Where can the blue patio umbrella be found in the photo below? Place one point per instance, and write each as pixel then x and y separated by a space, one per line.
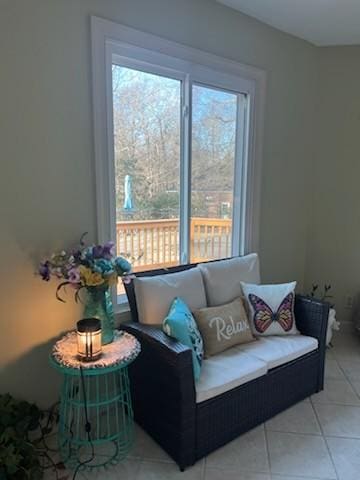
pixel 128 201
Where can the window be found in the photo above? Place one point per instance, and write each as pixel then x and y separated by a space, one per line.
pixel 177 164
pixel 147 133
pixel 215 128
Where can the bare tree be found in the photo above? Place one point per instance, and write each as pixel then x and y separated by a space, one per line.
pixel 147 142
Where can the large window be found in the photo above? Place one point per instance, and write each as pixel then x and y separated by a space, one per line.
pixel 175 149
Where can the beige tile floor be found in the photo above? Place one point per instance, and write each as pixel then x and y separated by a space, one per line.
pixel 318 438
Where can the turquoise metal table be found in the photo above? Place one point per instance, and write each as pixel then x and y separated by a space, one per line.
pixel 97 395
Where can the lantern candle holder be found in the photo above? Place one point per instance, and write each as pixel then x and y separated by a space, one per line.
pixel 89 339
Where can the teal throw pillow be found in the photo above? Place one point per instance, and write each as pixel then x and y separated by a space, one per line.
pixel 180 324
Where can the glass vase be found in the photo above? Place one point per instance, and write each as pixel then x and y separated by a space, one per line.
pixel 99 305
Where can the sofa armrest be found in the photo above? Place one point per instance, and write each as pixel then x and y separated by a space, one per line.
pixel 170 361
pixel 163 391
pixel 165 345
pixel 312 318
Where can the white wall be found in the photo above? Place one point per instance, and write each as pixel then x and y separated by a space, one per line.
pixel 333 254
pixel 47 162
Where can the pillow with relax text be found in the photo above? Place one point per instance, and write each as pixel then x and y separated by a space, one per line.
pixel 180 324
pixel 271 308
pixel 223 327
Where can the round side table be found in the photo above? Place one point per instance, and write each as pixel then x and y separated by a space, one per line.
pixel 96 394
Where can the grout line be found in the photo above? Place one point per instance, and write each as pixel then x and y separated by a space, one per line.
pixel 342 369
pixel 205 466
pixel 203 473
pixel 267 448
pixel 247 471
pixel 354 389
pixel 157 460
pixel 317 434
pixel 341 438
pixel 338 404
pixel 347 378
pixel 286 477
pixel 335 380
pixel 325 440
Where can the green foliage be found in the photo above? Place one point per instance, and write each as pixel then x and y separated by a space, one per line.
pixel 163 204
pixel 19 458
pixel 325 295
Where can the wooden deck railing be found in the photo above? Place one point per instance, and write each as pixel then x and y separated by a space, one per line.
pixel 155 243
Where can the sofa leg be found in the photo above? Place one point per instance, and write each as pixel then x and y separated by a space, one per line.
pixel 182 468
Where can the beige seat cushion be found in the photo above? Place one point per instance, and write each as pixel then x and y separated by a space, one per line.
pixel 222 279
pixel 154 295
pixel 277 350
pixel 223 327
pixel 226 371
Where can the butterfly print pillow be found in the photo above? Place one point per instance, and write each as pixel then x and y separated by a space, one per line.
pixel 271 308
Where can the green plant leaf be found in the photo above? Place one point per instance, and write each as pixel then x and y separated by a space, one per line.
pixel 19 459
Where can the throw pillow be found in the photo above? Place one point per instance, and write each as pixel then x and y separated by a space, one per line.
pixel 223 327
pixel 271 308
pixel 180 324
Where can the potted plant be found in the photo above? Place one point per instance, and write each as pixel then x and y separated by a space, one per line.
pixel 333 324
pixel 19 457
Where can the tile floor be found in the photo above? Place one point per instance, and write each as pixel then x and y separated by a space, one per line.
pixel 318 438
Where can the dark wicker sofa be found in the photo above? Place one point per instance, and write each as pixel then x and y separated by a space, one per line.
pixel 163 389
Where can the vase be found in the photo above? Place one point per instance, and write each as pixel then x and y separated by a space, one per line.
pixel 99 305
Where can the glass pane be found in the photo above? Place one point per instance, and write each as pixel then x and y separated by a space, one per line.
pixel 147 167
pixel 213 162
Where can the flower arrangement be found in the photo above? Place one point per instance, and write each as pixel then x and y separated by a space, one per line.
pixel 92 267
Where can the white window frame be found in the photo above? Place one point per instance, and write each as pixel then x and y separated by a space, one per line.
pixel 115 43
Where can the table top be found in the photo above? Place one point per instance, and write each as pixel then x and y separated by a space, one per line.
pixel 116 355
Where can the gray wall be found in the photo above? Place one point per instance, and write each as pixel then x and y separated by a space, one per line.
pixel 47 162
pixel 333 254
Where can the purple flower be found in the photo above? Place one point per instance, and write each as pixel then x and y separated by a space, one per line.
pixel 44 270
pixel 77 255
pixel 97 251
pixel 109 250
pixel 127 278
pixel 74 275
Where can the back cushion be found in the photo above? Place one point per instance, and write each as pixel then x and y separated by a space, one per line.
pixel 154 295
pixel 222 279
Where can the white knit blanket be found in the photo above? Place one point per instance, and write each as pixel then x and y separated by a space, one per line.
pixel 123 349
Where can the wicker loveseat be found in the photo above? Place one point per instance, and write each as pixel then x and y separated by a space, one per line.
pixel 166 403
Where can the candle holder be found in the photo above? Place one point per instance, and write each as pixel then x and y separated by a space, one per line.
pixel 89 339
